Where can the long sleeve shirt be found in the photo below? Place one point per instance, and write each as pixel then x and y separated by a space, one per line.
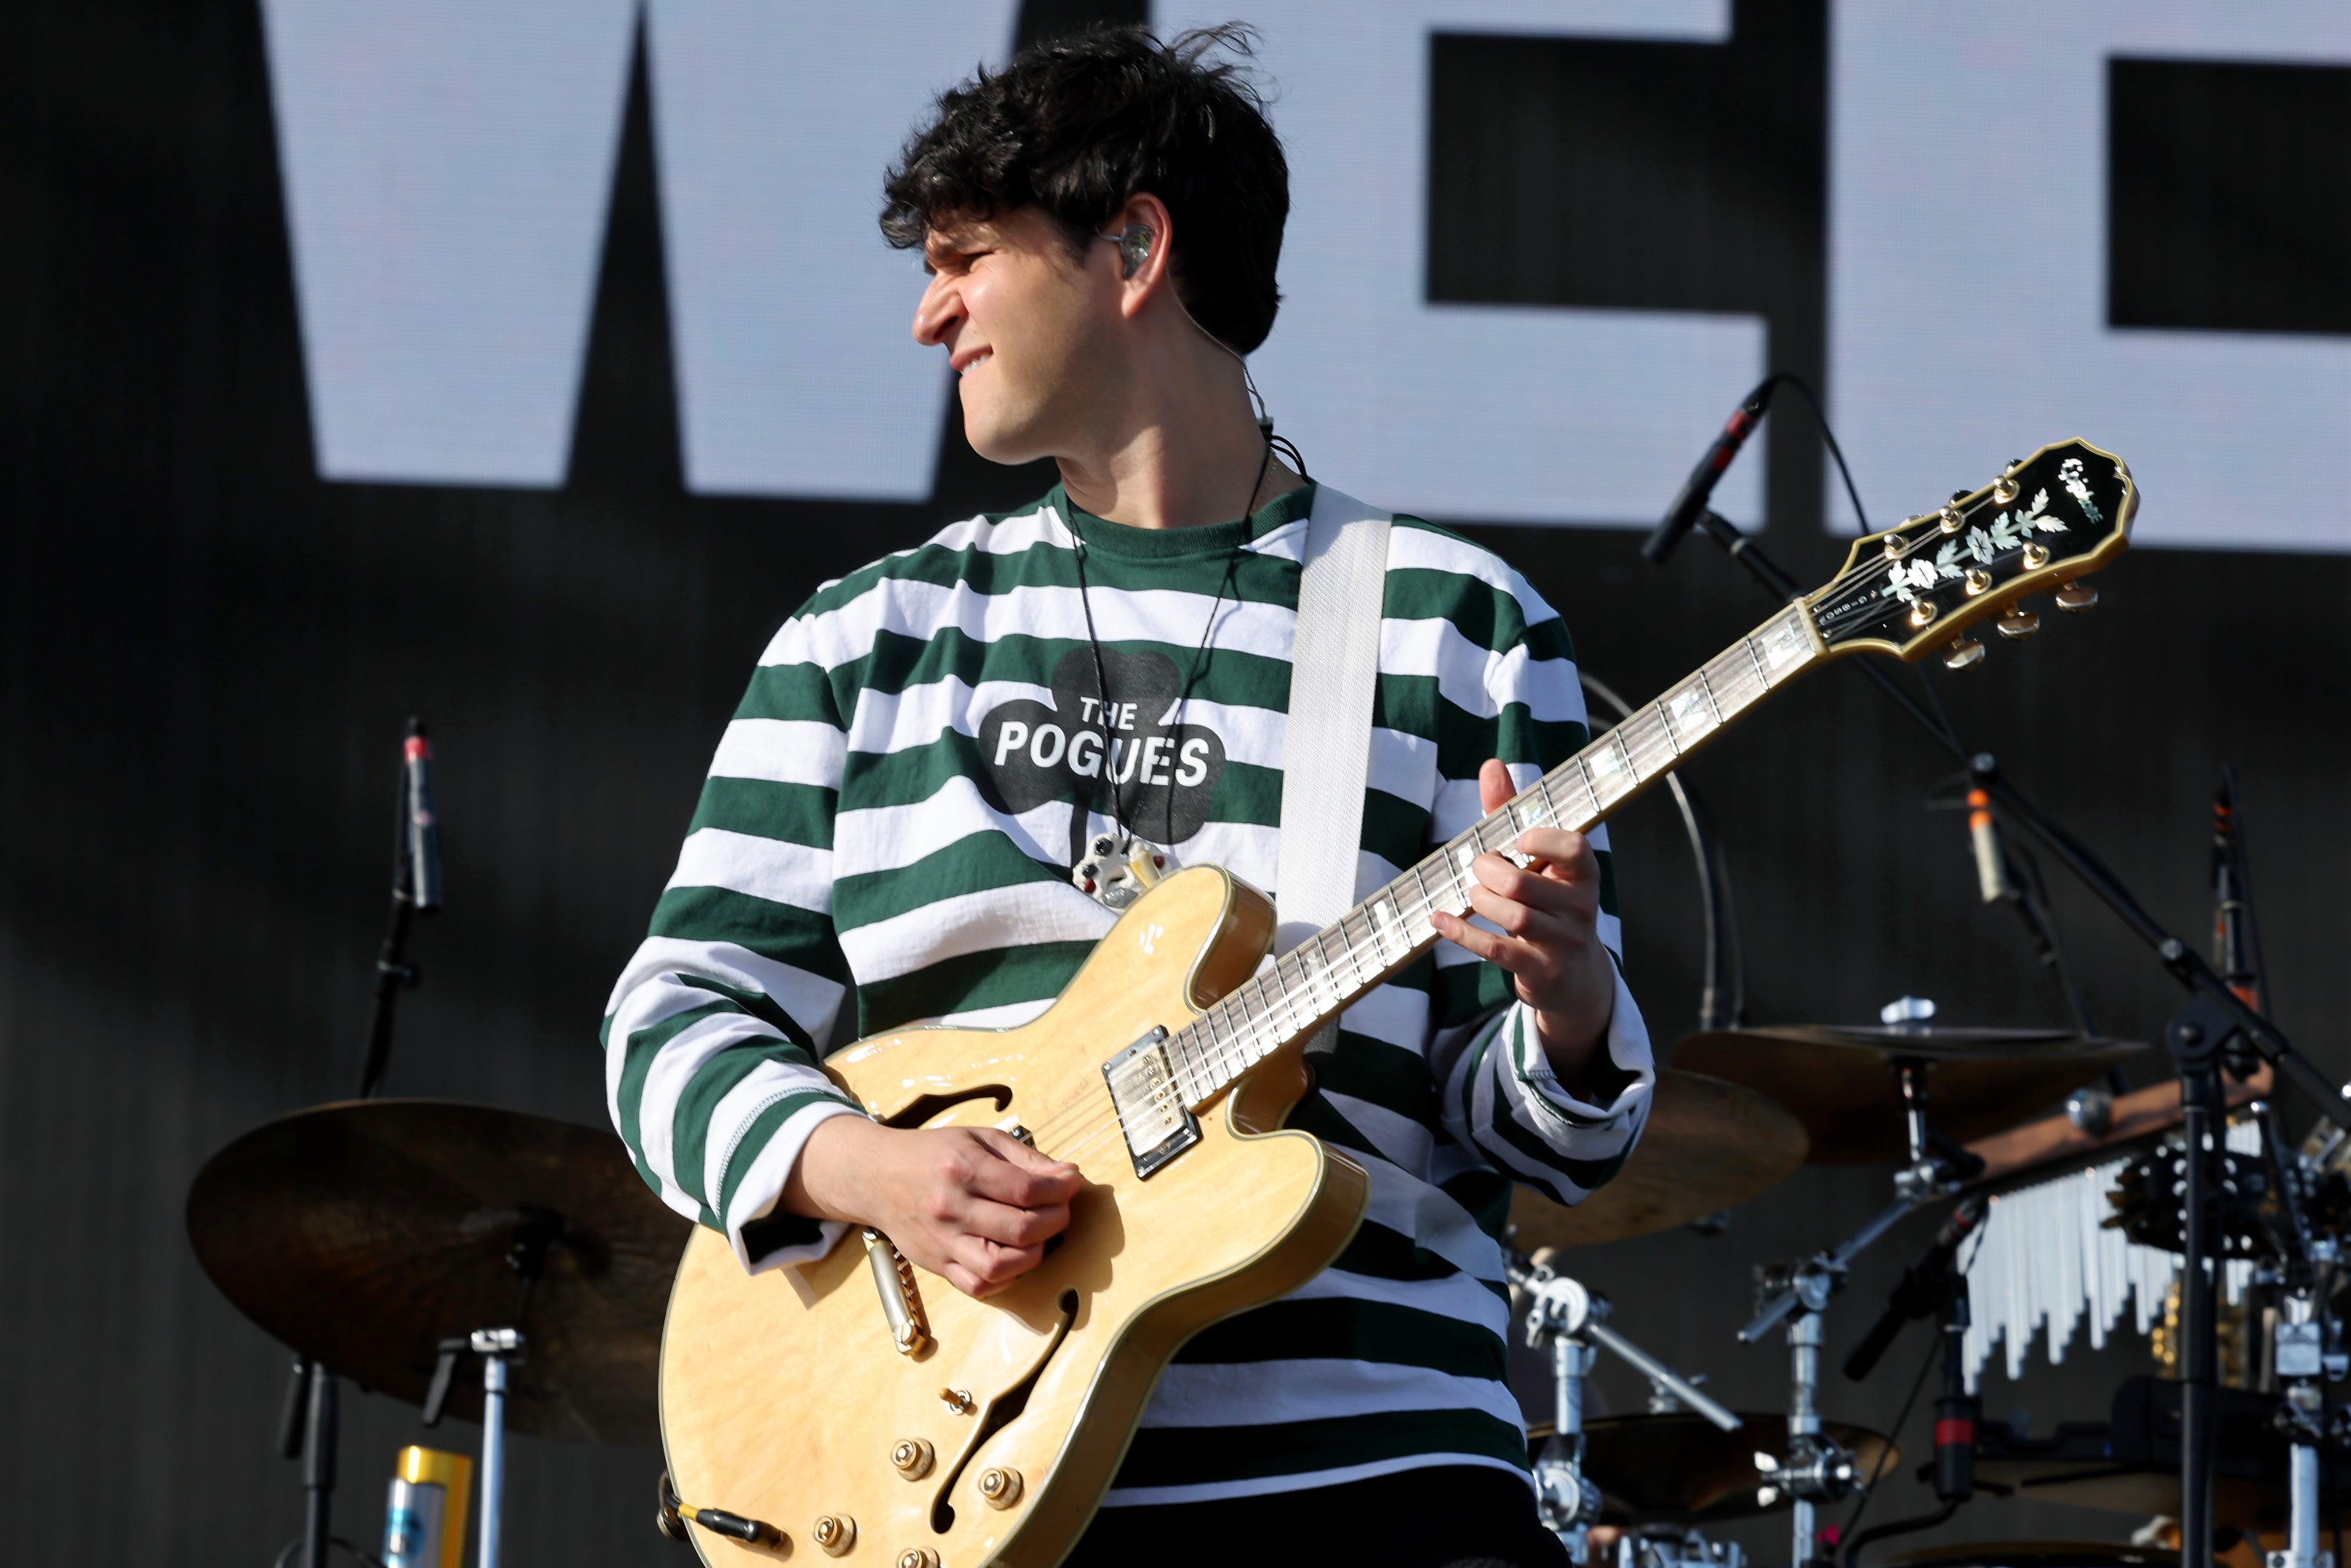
pixel 889 825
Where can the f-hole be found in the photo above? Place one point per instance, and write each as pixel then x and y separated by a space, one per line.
pixel 918 1112
pixel 1006 1410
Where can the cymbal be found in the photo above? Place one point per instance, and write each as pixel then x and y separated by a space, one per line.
pixel 2036 1555
pixel 1680 1467
pixel 2238 1503
pixel 1842 1084
pixel 362 1234
pixel 1708 1145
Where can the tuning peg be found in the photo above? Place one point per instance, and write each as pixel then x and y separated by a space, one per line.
pixel 2004 488
pixel 1965 654
pixel 2076 597
pixel 2016 624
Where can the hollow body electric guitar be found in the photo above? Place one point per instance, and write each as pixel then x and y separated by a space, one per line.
pixel 860 1407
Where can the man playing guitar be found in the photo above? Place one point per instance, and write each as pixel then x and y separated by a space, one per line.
pixel 943 758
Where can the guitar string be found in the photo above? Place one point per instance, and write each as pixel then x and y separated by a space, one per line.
pixel 1642 741
pixel 1647 745
pixel 1247 1036
pixel 1287 994
pixel 1652 743
pixel 1096 1132
pixel 1638 741
pixel 1644 749
pixel 1648 749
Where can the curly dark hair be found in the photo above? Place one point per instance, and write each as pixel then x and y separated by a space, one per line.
pixel 1078 125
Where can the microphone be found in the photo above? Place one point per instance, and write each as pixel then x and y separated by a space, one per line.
pixel 419 823
pixel 1992 872
pixel 1915 1297
pixel 1691 504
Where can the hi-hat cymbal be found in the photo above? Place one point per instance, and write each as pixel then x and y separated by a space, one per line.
pixel 362 1235
pixel 1680 1467
pixel 1708 1145
pixel 1842 1084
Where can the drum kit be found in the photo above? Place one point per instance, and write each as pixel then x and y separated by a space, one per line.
pixel 400 1242
pixel 2057 1219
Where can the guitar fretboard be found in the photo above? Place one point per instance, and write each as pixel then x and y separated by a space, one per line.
pixel 1323 975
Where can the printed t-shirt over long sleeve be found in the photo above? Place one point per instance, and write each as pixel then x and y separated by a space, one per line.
pixel 921 754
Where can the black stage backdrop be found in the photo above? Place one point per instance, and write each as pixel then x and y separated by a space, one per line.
pixel 207 654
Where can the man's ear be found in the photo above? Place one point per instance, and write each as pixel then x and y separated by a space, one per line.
pixel 1146 240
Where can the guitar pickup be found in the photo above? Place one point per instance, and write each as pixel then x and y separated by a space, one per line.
pixel 902 1306
pixel 1150 1105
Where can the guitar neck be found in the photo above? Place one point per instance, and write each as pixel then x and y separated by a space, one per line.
pixel 1323 976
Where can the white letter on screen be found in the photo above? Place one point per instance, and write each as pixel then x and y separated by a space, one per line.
pixel 797 371
pixel 447 165
pixel 1521 413
pixel 1967 274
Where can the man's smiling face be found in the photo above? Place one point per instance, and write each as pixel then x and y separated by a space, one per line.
pixel 1026 325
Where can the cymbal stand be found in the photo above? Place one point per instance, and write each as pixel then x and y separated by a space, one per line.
pixel 535 1230
pixel 2300 1352
pixel 2303 1350
pixel 1818 1469
pixel 498 1348
pixel 1574 1322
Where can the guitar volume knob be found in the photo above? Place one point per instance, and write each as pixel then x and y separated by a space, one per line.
pixel 834 1533
pixel 918 1557
pixel 999 1488
pixel 912 1457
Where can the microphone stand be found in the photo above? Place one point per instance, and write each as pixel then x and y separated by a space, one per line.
pixel 309 1420
pixel 2213 1020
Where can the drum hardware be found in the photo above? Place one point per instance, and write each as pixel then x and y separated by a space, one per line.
pixel 498 1348
pixel 1679 1469
pixel 2091 1108
pixel 1817 1468
pixel 1667 1546
pixel 1938 1167
pixel 1572 1321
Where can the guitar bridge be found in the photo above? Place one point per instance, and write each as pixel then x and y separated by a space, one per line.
pixel 1150 1103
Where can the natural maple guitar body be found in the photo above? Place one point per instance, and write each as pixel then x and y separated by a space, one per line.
pixel 783 1397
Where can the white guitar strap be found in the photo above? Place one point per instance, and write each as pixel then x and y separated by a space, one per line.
pixel 1327 754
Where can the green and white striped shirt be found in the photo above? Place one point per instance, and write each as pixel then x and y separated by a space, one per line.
pixel 894 812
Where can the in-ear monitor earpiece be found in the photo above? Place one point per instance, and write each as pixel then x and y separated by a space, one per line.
pixel 1134 248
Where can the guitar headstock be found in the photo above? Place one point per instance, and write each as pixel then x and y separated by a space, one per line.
pixel 2048 520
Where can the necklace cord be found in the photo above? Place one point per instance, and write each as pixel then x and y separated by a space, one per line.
pixel 1191 676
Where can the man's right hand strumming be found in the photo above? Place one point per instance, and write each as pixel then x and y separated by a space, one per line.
pixel 970 1204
